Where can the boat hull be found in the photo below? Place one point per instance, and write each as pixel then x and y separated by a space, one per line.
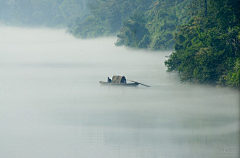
pixel 118 84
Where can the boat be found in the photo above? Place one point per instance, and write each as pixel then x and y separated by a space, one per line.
pixel 119 81
pixel 118 84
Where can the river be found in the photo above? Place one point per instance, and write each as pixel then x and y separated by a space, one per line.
pixel 52 105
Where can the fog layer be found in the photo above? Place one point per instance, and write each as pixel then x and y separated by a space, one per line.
pixel 52 105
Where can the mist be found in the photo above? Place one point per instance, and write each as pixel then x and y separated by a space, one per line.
pixel 52 105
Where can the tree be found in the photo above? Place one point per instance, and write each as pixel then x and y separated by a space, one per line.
pixel 207 48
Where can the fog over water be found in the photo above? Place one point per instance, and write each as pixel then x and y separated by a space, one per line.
pixel 52 105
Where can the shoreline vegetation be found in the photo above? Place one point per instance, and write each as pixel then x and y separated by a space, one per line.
pixel 205 34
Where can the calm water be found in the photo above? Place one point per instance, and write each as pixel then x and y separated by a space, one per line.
pixel 52 105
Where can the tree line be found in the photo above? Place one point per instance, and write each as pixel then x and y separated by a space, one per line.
pixel 207 47
pixel 145 24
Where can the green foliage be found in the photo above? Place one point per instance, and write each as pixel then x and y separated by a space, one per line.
pixel 86 29
pixel 165 17
pixel 207 48
pixel 109 15
pixel 134 32
pixel 233 77
pixel 160 22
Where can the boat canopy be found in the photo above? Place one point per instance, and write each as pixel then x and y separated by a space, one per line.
pixel 118 79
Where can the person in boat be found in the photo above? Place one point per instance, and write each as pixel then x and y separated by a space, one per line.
pixel 123 80
pixel 109 80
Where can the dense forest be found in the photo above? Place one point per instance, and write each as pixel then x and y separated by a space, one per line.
pixel 140 24
pixel 207 47
pixel 204 34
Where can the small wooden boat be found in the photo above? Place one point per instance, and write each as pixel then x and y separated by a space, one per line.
pixel 118 84
pixel 119 81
